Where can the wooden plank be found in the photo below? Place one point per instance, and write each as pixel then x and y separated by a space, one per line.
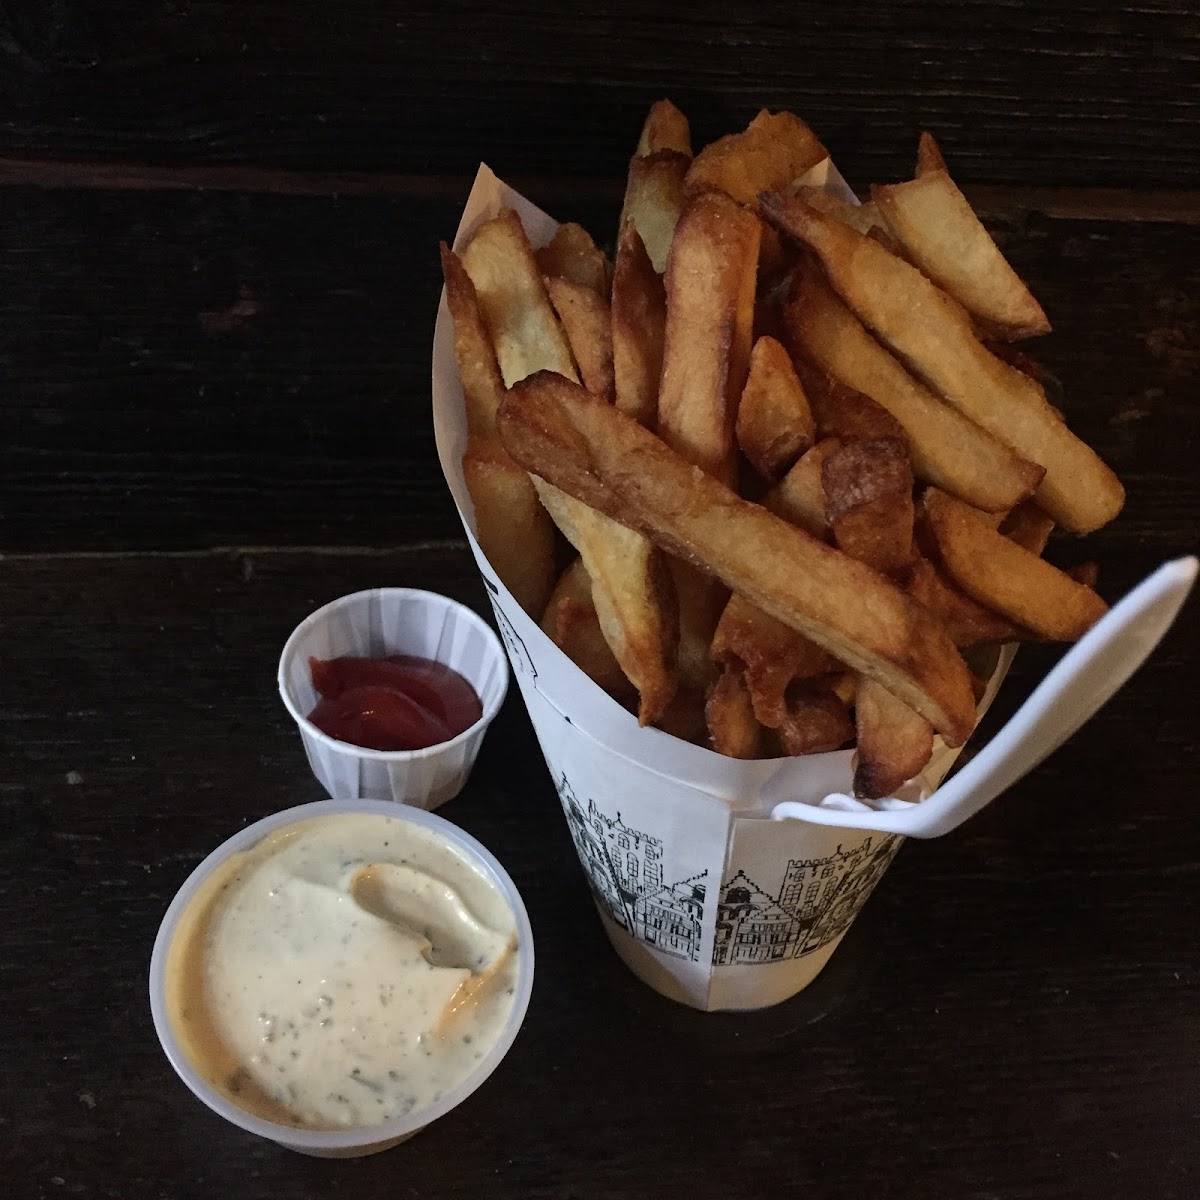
pixel 186 369
pixel 1006 1014
pixel 1083 93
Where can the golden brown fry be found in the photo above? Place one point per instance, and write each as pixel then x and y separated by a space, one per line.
pixel 607 460
pixel 929 156
pixel 774 422
pixel 844 412
pixel 916 319
pixel 573 255
pixel 771 152
pixel 868 502
pixel 1028 526
pixel 1008 578
pixel 817 721
pixel 585 319
pixel 516 308
pixel 1086 573
pixel 513 530
pixel 947 448
pixel 639 314
pixel 684 717
pixel 894 743
pixel 732 727
pixel 572 624
pixel 967 623
pixel 938 232
pixel 654 200
pixel 799 497
pixel 666 128
pixel 700 601
pixel 483 389
pixel 863 217
pixel 772 654
pixel 632 592
pixel 710 317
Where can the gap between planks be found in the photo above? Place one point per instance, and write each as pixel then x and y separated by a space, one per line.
pixel 1093 204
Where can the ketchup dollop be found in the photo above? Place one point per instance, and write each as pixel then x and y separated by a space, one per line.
pixel 399 702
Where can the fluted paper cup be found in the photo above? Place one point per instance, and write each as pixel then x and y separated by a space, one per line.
pixel 707 899
pixel 372 624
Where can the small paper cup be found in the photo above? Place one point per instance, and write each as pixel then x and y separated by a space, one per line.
pixel 362 1140
pixel 394 621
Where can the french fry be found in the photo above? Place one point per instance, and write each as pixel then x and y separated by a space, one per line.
pixel 607 460
pixel 844 412
pixel 1006 577
pixel 572 255
pixel 587 323
pixel 572 624
pixel 732 727
pixel 915 318
pixel 799 497
pixel 771 152
pixel 967 622
pixel 512 528
pixel 483 389
pixel 894 743
pixel 1086 573
pixel 774 423
pixel 1028 526
pixel 710 284
pixel 817 721
pixel 666 128
pixel 868 502
pixel 947 449
pixel 639 314
pixel 929 156
pixel 863 217
pixel 684 716
pixel 700 600
pixel 938 232
pixel 630 587
pixel 655 199
pixel 771 654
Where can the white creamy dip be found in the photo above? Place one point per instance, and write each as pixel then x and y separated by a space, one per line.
pixel 344 971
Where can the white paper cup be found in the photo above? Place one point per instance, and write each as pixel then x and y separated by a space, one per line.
pixel 394 621
pixel 339 1143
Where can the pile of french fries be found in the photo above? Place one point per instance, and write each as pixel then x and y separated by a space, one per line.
pixel 798 466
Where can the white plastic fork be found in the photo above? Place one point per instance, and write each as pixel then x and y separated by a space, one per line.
pixel 1085 679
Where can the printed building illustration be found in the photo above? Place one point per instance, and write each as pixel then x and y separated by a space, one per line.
pixel 817 900
pixel 624 867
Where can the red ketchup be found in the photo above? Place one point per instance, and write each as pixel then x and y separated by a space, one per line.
pixel 399 702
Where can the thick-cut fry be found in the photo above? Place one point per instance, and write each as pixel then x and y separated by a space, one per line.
pixel 700 601
pixel 630 587
pixel 607 460
pixel 774 422
pixel 512 528
pixel 632 592
pixel 654 200
pixel 894 743
pixel 1028 526
pixel 585 319
pixel 710 317
pixel 772 654
pixel 771 152
pixel 1086 573
pixel 799 497
pixel 483 389
pixel 947 449
pixel 516 307
pixel 938 231
pixel 967 623
pixel 863 217
pixel 639 314
pixel 817 721
pixel 571 254
pixel 666 128
pixel 915 318
pixel 684 716
pixel 929 156
pixel 844 412
pixel 572 624
pixel 868 502
pixel 732 726
pixel 1008 578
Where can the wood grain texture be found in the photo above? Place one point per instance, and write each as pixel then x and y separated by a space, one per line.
pixel 1083 93
pixel 1010 1017
pixel 200 369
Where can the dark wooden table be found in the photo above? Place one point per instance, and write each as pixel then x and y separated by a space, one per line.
pixel 217 288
